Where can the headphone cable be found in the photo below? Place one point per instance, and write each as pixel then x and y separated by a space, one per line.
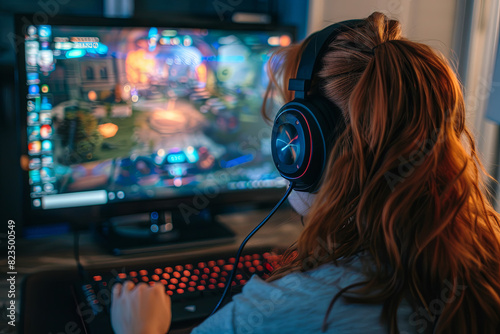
pixel 76 253
pixel 243 243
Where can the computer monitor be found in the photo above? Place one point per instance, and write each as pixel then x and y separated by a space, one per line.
pixel 122 117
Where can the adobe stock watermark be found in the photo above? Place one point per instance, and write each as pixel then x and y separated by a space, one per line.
pixel 225 6
pixel 265 308
pixel 393 8
pixel 417 157
pixel 86 311
pixel 481 93
pixel 219 180
pixel 49 9
pixel 421 317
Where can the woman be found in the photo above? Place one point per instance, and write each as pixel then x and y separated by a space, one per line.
pixel 400 237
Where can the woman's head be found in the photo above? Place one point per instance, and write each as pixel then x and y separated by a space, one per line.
pixel 403 182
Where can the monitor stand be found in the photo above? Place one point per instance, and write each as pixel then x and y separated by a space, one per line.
pixel 161 230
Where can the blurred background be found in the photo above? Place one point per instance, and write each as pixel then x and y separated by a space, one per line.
pixel 465 31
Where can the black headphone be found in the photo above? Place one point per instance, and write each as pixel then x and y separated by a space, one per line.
pixel 305 129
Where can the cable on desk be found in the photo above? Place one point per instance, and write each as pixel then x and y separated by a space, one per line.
pixel 76 252
pixel 240 250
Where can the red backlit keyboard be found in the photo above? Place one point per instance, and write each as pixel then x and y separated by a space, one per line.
pixel 194 286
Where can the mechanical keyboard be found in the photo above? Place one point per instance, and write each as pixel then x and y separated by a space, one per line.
pixel 195 285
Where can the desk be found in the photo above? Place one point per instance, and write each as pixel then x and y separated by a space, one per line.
pixel 56 253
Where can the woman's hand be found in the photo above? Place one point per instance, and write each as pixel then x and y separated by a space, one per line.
pixel 140 309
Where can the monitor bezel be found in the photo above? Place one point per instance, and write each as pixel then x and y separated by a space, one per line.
pixel 83 216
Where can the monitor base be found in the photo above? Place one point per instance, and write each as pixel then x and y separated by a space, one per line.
pixel 137 234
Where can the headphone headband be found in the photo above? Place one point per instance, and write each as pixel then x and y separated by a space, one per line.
pixel 309 61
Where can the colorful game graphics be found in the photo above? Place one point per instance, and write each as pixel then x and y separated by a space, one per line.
pixel 34 163
pixel 33 118
pixel 47 160
pixel 35 176
pixel 46 101
pixel 46 146
pixel 32 78
pixel 44 32
pixel 145 112
pixel 34 147
pixel 32 31
pixel 45 118
pixel 33 133
pixel 34 90
pixel 45 131
pixel 33 104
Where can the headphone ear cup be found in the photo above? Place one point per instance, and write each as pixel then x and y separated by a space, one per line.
pixel 303 135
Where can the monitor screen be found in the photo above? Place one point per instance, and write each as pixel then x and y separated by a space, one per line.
pixel 120 114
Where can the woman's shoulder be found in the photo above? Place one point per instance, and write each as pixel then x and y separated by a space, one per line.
pixel 299 301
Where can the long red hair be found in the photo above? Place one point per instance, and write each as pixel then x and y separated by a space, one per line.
pixel 403 183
